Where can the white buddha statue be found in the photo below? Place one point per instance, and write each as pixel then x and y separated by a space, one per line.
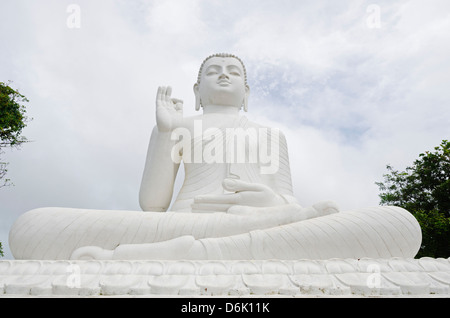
pixel 236 201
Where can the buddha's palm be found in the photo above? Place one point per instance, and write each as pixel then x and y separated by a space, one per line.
pixel 169 111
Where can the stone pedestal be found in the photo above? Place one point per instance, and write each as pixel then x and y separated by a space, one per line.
pixel 396 277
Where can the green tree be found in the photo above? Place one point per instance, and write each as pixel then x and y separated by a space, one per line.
pixel 13 120
pixel 424 190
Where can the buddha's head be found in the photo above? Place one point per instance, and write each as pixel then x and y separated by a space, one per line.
pixel 222 81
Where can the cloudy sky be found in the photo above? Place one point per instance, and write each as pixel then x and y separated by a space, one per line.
pixel 353 84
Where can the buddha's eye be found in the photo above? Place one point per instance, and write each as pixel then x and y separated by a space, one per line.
pixel 235 73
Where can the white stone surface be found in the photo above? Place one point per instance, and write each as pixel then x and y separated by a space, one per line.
pixel 236 201
pixel 395 277
pixel 380 232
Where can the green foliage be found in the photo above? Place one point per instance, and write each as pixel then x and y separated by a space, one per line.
pixel 12 121
pixel 12 116
pixel 424 190
pixel 435 234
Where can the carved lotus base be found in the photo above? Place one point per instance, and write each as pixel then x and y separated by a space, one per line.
pixel 397 277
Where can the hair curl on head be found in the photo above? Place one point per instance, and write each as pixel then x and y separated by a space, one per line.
pixel 221 55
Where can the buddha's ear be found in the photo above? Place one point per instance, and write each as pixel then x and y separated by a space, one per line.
pixel 197 97
pixel 247 94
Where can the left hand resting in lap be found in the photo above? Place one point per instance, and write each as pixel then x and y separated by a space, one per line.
pixel 243 194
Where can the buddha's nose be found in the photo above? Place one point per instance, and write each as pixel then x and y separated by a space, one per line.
pixel 223 75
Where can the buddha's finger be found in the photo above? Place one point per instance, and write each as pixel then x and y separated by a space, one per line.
pixel 231 198
pixel 210 207
pixel 178 103
pixel 168 93
pixel 161 94
pixel 243 210
pixel 239 185
pixel 158 94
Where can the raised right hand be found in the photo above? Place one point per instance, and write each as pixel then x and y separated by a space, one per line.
pixel 169 111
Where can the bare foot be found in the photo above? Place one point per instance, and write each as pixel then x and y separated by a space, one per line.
pixel 326 208
pixel 91 252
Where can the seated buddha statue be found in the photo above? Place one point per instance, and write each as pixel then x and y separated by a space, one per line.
pixel 236 201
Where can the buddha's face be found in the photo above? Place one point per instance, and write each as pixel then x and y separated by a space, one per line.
pixel 222 82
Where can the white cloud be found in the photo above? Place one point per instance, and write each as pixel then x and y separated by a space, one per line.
pixel 176 18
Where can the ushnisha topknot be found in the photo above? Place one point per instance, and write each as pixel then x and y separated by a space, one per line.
pixel 221 55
